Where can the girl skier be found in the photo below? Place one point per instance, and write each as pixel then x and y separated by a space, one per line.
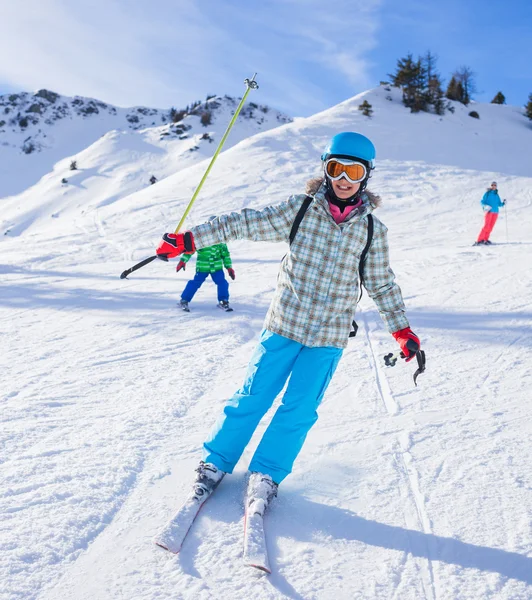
pixel 311 314
pixel 211 261
pixel 491 203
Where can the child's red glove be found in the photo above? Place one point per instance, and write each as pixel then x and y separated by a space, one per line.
pixel 231 273
pixel 174 244
pixel 408 341
pixel 180 265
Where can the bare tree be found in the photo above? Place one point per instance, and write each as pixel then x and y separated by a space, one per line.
pixel 466 77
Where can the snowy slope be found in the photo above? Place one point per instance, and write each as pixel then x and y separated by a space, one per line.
pixel 400 492
pixel 41 133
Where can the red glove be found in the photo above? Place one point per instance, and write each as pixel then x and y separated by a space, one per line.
pixel 408 341
pixel 231 273
pixel 180 265
pixel 174 244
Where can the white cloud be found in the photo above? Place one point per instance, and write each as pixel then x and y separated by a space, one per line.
pixel 308 54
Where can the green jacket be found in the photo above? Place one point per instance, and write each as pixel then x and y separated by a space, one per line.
pixel 210 259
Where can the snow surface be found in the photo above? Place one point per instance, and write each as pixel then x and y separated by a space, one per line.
pixel 108 389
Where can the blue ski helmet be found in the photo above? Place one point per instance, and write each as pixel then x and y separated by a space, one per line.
pixel 351 145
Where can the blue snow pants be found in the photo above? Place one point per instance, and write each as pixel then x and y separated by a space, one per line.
pixel 194 285
pixel 275 359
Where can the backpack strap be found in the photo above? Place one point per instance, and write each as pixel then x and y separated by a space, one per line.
pixel 299 217
pixel 364 254
pixel 361 264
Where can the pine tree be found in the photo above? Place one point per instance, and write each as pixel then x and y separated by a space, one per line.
pixel 528 107
pixel 455 90
pixel 433 92
pixel 451 92
pixel 177 115
pixel 460 91
pixel 436 94
pixel 366 108
pixel 206 118
pixel 499 98
pixel 429 62
pixel 410 76
pixel 402 72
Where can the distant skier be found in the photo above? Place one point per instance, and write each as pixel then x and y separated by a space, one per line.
pixel 210 261
pixel 153 179
pixel 311 314
pixel 491 203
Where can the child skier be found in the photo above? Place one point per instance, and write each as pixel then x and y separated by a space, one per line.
pixel 311 314
pixel 491 203
pixel 211 261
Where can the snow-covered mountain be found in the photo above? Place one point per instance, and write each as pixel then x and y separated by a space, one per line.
pixel 38 130
pixel 122 162
pixel 108 391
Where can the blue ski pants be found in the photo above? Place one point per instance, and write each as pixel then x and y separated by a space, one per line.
pixel 274 360
pixel 194 285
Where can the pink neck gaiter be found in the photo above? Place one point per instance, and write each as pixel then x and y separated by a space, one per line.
pixel 338 216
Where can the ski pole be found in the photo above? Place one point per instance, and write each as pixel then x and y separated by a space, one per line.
pixel 391 359
pixel 251 84
pixel 506 219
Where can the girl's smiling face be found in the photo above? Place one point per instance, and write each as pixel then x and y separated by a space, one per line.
pixel 344 189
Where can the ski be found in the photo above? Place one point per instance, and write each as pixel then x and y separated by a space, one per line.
pixel 172 536
pixel 261 490
pixel 255 551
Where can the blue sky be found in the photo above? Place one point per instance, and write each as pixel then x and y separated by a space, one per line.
pixel 309 54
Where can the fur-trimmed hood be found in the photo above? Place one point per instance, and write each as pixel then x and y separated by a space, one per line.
pixel 313 185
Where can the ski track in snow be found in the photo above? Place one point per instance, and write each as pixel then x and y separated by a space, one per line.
pixel 405 465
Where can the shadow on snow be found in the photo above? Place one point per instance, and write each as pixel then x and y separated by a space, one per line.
pixel 341 524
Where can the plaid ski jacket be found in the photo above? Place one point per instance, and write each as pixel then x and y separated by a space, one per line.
pixel 317 287
pixel 210 259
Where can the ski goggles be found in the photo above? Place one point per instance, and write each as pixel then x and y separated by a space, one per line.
pixel 352 170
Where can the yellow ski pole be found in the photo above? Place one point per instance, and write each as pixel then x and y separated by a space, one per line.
pixel 251 84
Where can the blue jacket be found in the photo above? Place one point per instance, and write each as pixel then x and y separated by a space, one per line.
pixel 491 198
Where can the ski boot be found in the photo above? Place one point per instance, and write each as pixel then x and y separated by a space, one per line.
pixel 261 491
pixel 224 305
pixel 207 479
